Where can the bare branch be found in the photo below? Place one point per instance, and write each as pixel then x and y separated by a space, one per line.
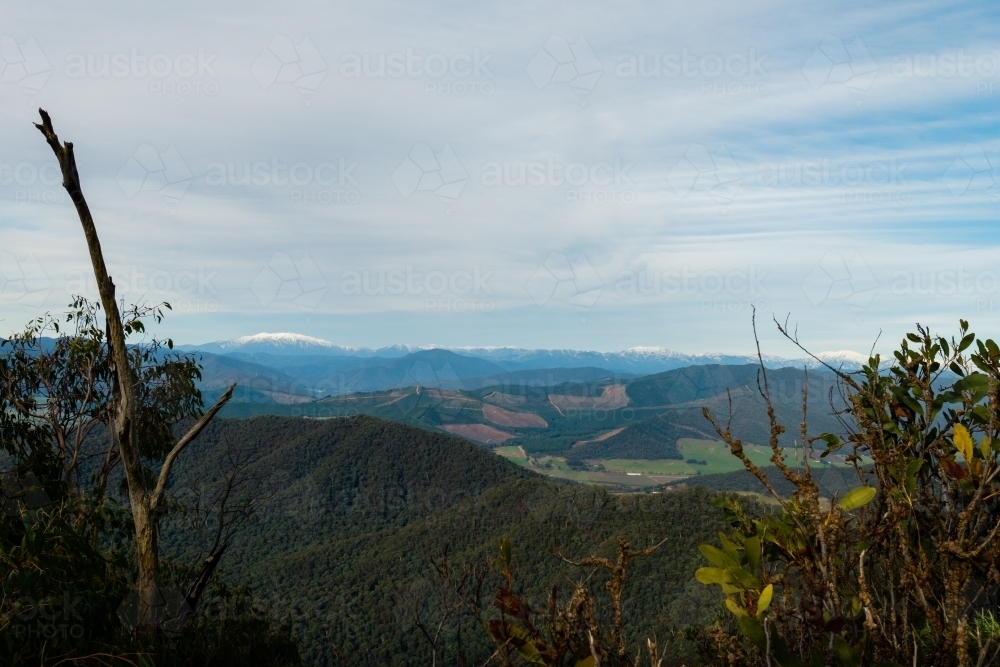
pixel 194 432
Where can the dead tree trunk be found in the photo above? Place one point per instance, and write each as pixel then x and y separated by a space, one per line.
pixel 145 503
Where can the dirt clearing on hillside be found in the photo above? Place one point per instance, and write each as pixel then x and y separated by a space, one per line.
pixel 502 417
pixel 509 400
pixel 479 433
pixel 612 397
pixel 602 437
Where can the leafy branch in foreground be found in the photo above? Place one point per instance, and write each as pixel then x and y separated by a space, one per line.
pixel 904 566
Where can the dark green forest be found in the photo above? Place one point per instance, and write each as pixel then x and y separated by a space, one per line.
pixel 359 507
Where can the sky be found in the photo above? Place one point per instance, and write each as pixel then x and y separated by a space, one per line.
pixel 585 175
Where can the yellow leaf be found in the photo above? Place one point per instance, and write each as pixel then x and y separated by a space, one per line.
pixel 984 446
pixel 857 497
pixel 735 608
pixel 765 599
pixel 963 442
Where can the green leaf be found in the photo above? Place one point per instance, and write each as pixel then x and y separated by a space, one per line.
pixel 729 548
pixel 857 497
pixel 855 606
pixel 833 443
pixel 848 656
pixel 713 575
pixel 717 556
pixel 976 383
pixel 753 631
pixel 765 599
pixel 530 653
pixel 751 546
pixel 505 549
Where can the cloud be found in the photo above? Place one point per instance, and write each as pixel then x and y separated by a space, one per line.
pixel 770 171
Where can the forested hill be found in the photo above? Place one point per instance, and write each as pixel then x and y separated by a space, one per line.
pixel 357 507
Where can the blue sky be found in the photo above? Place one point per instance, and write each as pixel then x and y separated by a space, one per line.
pixel 588 176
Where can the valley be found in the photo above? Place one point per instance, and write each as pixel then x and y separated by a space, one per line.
pixel 588 424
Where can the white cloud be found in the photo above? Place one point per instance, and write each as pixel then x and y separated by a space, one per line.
pixel 700 145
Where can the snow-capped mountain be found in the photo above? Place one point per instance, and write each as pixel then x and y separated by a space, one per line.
pixel 277 343
pixel 847 359
pixel 636 360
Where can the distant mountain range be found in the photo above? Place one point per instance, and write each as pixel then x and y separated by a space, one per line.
pixel 635 361
pixel 288 368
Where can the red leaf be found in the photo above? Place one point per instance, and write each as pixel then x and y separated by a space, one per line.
pixel 954 469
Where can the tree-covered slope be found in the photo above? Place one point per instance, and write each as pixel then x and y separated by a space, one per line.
pixel 356 508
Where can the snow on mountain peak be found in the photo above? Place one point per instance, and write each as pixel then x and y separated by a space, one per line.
pixel 645 349
pixel 279 339
pixel 844 355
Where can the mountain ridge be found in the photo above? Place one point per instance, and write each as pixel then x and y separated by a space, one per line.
pixel 639 360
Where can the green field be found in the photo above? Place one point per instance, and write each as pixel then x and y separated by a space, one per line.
pixel 716 456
